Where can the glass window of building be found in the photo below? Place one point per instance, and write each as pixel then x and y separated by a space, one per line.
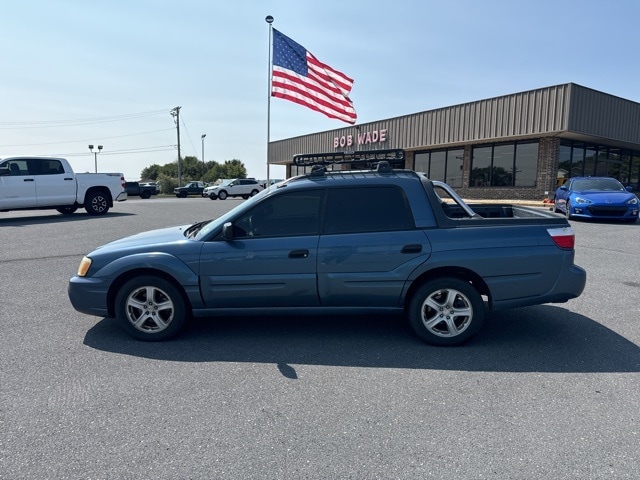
pixel 438 165
pixel 577 160
pixel 454 168
pixel 502 169
pixel 421 163
pixel 564 163
pixel 505 165
pixel 442 165
pixel 526 164
pixel 481 167
pixel 590 155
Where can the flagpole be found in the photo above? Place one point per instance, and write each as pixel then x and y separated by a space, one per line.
pixel 269 20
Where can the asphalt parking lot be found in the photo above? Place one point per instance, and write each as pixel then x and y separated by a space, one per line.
pixel 550 391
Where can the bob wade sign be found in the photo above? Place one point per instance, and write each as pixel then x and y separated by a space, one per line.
pixel 362 138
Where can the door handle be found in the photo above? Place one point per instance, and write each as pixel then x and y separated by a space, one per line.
pixel 298 253
pixel 417 248
pixel 27 179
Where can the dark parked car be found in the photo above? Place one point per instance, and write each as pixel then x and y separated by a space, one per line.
pixel 596 197
pixel 142 190
pixel 327 242
pixel 191 188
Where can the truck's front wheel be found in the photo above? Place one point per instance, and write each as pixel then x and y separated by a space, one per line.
pixel 446 311
pixel 96 203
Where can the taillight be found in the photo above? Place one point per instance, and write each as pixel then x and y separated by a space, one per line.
pixel 122 181
pixel 563 237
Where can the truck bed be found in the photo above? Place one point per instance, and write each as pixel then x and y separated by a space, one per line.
pixel 497 210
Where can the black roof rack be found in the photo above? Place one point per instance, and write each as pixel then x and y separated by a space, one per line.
pixel 393 156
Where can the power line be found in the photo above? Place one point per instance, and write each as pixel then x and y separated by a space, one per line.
pixel 133 151
pixel 76 122
pixel 84 140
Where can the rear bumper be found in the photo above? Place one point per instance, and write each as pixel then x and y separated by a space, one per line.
pixel 570 284
pixel 122 197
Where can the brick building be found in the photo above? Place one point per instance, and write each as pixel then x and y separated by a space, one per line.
pixel 518 146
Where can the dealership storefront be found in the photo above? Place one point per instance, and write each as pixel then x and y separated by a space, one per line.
pixel 518 146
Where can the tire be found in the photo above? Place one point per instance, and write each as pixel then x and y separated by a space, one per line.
pixel 145 194
pixel 567 207
pixel 254 193
pixel 213 196
pixel 183 194
pixel 245 197
pixel 150 308
pixel 222 195
pixel 555 205
pixel 67 210
pixel 96 203
pixel 446 311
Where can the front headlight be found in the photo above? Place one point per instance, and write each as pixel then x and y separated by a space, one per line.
pixel 582 201
pixel 85 263
pixel 632 201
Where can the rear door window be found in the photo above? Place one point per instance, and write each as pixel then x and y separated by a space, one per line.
pixel 367 209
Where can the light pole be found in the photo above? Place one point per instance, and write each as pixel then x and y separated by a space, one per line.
pixel 202 138
pixel 95 155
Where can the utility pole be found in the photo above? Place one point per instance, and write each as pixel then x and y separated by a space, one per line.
pixel 175 113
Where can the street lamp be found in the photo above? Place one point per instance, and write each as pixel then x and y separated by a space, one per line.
pixel 202 138
pixel 95 155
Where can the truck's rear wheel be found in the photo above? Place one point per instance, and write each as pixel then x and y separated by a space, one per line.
pixel 67 210
pixel 446 311
pixel 96 203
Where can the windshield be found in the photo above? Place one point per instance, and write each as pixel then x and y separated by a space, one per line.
pixel 610 184
pixel 217 223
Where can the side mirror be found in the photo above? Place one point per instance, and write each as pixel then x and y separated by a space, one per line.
pixel 563 187
pixel 227 231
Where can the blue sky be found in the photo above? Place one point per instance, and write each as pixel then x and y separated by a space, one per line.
pixel 76 73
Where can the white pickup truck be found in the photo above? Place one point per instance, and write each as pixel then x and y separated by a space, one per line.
pixel 33 183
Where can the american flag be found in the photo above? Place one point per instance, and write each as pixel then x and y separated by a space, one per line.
pixel 300 77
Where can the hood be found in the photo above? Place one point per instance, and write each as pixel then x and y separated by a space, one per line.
pixel 604 196
pixel 147 241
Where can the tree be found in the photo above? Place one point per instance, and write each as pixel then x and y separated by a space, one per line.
pixel 234 169
pixel 151 172
pixel 167 183
pixel 192 168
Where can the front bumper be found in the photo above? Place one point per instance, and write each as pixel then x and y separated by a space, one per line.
pixel 89 295
pixel 613 212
